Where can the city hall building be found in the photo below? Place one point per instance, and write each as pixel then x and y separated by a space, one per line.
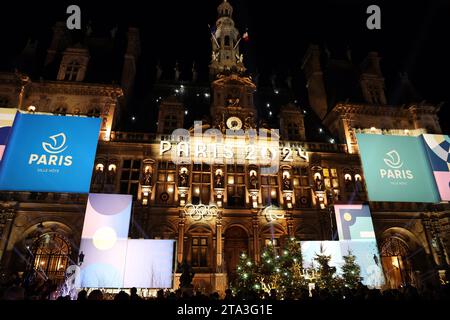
pixel 218 207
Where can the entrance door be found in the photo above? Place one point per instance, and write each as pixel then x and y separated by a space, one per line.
pixel 236 242
pixel 394 253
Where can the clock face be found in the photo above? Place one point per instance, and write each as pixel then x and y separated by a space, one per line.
pixel 234 123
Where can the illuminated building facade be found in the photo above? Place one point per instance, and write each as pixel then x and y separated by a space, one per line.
pixel 217 211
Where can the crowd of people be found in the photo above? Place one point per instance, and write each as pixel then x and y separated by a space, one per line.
pixel 17 290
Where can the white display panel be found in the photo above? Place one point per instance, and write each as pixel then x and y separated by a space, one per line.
pixel 365 251
pixel 103 268
pixel 149 264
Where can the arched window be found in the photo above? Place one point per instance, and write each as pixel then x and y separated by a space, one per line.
pixel 51 256
pixel 348 182
pixel 72 70
pixel 226 41
pixel 359 186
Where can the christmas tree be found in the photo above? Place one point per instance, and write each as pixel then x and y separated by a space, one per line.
pixel 279 268
pixel 246 272
pixel 282 269
pixel 351 272
pixel 291 264
pixel 325 273
pixel 269 272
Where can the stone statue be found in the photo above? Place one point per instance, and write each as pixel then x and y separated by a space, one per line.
pixel 286 183
pixel 218 180
pixel 215 56
pixel 104 123
pixel 187 274
pixel 253 181
pixel 183 178
pixel 249 123
pixel 319 183
pixel 233 102
pixel 147 178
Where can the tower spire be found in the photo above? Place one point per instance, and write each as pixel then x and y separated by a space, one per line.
pixel 225 39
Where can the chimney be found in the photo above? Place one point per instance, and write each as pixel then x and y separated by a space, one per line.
pixel 314 77
pixel 58 34
pixel 130 59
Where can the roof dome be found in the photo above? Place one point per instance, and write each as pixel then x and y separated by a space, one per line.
pixel 225 9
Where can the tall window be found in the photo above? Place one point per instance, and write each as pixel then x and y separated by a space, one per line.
pixel 129 177
pixel 72 70
pixel 201 184
pixel 302 188
pixel 51 256
pixel 273 243
pixel 199 252
pixel 359 184
pixel 292 130
pixel 165 184
pixel 331 181
pixel 227 41
pixel 170 123
pixel 235 186
pixel 269 190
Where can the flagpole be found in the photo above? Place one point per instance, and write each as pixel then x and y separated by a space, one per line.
pixel 237 43
pixel 214 37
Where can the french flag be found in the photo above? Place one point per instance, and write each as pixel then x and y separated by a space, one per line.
pixel 245 36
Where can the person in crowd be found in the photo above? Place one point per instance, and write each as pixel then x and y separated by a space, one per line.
pixel 82 295
pixel 95 295
pixel 134 295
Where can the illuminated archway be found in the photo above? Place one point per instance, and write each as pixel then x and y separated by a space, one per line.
pixel 51 256
pixel 395 260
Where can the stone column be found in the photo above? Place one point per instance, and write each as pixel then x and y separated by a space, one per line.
pixel 180 250
pixel 255 224
pixel 219 261
pixel 6 219
pixel 290 224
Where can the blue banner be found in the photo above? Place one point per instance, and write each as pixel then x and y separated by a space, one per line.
pixel 396 168
pixel 50 154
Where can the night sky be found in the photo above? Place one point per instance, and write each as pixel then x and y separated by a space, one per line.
pixel 414 36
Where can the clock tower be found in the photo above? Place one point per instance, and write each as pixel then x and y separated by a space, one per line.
pixel 232 92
